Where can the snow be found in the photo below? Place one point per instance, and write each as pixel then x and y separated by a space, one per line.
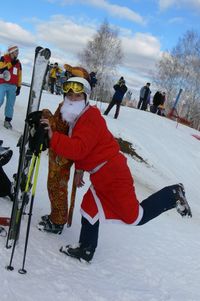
pixel 155 262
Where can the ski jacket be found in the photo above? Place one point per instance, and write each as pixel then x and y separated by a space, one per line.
pixel 120 90
pixel 145 92
pixel 54 72
pixel 94 149
pixel 90 144
pixel 158 99
pixel 15 70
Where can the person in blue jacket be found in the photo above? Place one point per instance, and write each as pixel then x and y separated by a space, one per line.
pixel 120 89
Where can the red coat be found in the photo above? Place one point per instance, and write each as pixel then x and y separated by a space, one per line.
pixel 112 194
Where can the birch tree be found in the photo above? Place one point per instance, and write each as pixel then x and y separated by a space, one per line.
pixel 103 54
pixel 180 68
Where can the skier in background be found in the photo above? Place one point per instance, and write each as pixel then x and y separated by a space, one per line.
pixel 10 88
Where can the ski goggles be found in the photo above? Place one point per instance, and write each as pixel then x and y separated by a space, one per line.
pixel 75 87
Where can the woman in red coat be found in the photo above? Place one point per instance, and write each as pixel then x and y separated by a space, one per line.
pixel 111 195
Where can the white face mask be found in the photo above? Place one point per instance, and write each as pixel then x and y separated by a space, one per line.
pixel 71 109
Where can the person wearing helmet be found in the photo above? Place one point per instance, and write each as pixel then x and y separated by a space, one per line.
pixel 59 166
pixel 10 84
pixel 93 149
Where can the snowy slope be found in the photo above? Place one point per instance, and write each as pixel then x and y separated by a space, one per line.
pixel 156 262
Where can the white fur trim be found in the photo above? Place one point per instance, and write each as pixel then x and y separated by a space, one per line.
pixel 101 215
pixel 91 220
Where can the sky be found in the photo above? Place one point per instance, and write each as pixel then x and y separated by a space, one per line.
pixel 146 28
pixel 158 261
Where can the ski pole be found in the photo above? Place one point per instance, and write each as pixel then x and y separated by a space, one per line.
pixel 20 212
pixel 22 270
pixel 72 202
pixel 16 194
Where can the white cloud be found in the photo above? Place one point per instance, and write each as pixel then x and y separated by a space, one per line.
pixel 190 4
pixel 164 4
pixel 65 34
pixel 122 12
pixel 13 33
pixel 176 20
pixel 141 51
pixel 66 38
pixel 118 10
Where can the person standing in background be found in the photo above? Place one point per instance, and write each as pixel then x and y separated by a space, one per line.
pixel 144 97
pixel 53 74
pixel 10 82
pixel 120 89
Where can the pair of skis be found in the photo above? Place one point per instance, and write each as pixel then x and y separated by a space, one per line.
pixel 28 161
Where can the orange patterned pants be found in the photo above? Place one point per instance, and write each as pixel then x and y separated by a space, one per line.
pixel 58 177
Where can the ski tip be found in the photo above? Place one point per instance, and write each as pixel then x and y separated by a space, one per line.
pixel 38 48
pixel 46 52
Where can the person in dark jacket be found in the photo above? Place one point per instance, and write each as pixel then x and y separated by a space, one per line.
pixel 157 101
pixel 120 89
pixel 5 183
pixel 93 79
pixel 144 97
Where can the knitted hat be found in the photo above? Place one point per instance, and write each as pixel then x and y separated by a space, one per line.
pixel 12 48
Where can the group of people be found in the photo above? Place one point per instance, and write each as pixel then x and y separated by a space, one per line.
pixel 78 134
pixel 57 76
pixel 158 103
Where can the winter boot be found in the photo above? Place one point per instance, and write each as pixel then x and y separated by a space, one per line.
pixel 78 252
pixel 182 205
pixel 47 225
pixel 7 125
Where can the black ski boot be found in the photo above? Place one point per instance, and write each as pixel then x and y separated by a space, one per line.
pixel 182 205
pixel 47 225
pixel 78 252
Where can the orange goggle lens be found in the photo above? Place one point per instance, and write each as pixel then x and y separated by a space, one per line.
pixel 75 87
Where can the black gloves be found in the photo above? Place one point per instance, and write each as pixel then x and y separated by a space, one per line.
pixel 38 135
pixel 14 61
pixel 18 91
